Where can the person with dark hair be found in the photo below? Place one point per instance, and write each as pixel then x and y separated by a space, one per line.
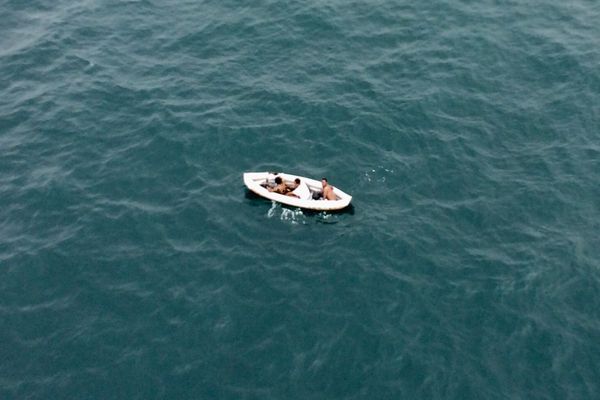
pixel 300 190
pixel 270 182
pixel 327 190
pixel 280 187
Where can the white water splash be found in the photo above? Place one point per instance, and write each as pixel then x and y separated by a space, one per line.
pixel 271 211
pixel 295 216
pixel 378 174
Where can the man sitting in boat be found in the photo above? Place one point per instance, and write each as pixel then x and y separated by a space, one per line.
pixel 280 187
pixel 300 190
pixel 327 190
pixel 270 181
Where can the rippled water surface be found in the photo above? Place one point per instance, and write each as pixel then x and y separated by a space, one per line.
pixel 135 265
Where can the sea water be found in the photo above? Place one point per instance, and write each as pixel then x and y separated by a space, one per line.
pixel 134 264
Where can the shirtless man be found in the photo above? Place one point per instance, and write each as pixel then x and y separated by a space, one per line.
pixel 327 190
pixel 300 190
pixel 281 187
pixel 270 182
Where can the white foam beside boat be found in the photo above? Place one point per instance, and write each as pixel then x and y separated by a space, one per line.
pixel 255 180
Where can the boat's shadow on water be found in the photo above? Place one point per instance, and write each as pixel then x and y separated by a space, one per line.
pixel 250 195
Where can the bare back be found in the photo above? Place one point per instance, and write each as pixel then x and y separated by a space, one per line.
pixel 328 193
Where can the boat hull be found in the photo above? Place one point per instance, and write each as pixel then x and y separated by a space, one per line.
pixel 253 181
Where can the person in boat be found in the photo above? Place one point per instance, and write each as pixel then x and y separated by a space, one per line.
pixel 300 190
pixel 280 187
pixel 327 190
pixel 270 181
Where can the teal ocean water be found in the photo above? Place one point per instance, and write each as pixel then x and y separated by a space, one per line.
pixel 134 264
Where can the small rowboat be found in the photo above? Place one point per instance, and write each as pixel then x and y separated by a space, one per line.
pixel 257 182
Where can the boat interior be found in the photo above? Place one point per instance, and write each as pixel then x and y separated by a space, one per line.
pixel 316 193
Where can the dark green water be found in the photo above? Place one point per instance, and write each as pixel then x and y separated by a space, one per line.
pixel 135 265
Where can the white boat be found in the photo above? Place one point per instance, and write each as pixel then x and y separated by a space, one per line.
pixel 257 182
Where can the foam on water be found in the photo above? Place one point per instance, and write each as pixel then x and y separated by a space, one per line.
pixel 294 216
